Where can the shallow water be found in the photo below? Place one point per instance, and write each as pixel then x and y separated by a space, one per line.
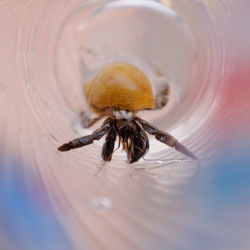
pixel 54 200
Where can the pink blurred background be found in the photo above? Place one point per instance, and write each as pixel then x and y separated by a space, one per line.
pixel 50 200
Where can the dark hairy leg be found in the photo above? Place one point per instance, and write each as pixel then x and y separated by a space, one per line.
pixel 108 146
pixel 139 143
pixel 88 139
pixel 165 138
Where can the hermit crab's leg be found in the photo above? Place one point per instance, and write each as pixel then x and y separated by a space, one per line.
pixel 87 121
pixel 165 138
pixel 161 97
pixel 88 139
pixel 108 146
pixel 139 143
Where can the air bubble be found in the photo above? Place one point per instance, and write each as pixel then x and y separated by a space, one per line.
pixel 101 204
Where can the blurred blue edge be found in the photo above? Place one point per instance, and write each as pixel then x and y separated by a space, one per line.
pixel 27 219
pixel 225 181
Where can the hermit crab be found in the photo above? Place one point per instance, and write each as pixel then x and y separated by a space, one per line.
pixel 119 91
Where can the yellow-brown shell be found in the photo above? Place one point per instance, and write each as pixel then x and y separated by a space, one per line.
pixel 119 85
